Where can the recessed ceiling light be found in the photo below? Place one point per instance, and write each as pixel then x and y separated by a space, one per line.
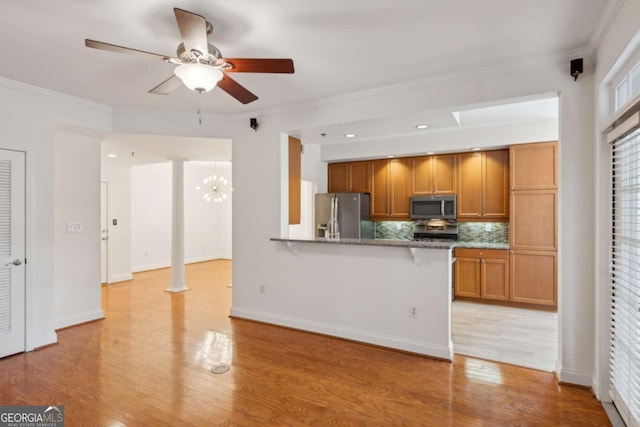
pixel 113 156
pixel 422 126
pixel 475 149
pixel 349 135
pixel 390 157
pixel 429 153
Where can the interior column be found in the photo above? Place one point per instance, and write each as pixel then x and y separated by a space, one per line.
pixel 177 228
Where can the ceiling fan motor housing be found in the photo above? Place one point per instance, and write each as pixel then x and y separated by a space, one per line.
pixel 213 57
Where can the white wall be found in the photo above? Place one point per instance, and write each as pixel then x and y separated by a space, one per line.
pixel 119 206
pixel 620 42
pixel 30 117
pixel 77 254
pixel 207 225
pixel 258 158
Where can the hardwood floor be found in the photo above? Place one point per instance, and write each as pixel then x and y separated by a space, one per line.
pixel 149 364
pixel 518 336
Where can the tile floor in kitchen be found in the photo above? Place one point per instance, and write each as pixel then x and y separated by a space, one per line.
pixel 517 336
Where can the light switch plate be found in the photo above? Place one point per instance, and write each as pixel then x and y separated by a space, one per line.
pixel 74 227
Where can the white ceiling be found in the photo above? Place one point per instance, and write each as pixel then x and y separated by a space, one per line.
pixel 338 46
pixel 136 150
pixel 534 110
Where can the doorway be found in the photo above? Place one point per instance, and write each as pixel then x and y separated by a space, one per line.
pixel 12 251
pixel 104 232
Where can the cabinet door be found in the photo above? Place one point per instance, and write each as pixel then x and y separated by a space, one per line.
pixel 380 189
pixel 338 177
pixel 533 220
pixel 422 176
pixel 534 166
pixel 400 185
pixel 495 184
pixel 295 153
pixel 360 177
pixel 533 277
pixel 495 279
pixel 470 185
pixel 444 174
pixel 467 277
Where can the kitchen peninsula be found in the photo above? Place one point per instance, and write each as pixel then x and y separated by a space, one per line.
pixel 390 293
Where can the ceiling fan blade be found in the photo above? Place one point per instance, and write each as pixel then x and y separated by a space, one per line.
pixel 193 29
pixel 236 90
pixel 171 84
pixel 256 65
pixel 121 49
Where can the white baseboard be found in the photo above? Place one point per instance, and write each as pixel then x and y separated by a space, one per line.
pixel 568 376
pixel 42 339
pixel 148 267
pixel 121 278
pixel 76 319
pixel 441 352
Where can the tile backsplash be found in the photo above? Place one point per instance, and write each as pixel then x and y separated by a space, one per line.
pixel 389 230
pixel 477 232
pixel 467 231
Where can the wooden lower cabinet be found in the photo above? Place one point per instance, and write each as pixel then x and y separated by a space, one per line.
pixel 482 273
pixel 534 277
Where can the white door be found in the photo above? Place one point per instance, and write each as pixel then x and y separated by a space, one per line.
pixel 12 252
pixel 104 230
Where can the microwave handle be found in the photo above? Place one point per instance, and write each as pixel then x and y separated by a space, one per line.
pixel 442 207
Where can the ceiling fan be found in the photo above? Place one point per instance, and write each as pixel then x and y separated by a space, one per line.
pixel 201 65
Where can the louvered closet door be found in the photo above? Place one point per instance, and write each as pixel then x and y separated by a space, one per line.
pixel 625 277
pixel 12 252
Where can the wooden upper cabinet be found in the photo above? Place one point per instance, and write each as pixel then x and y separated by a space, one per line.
pixel 422 176
pixel 390 188
pixel 400 186
pixel 444 174
pixel 359 177
pixel 495 184
pixel 433 175
pixel 295 154
pixel 469 199
pixel 483 185
pixel 349 177
pixel 380 189
pixel 338 177
pixel 534 166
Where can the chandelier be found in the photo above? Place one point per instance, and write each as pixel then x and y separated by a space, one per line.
pixel 215 187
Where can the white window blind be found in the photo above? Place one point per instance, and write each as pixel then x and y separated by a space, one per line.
pixel 625 278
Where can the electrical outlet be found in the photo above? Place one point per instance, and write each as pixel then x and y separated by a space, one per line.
pixel 413 312
pixel 263 289
pixel 398 226
pixel 488 227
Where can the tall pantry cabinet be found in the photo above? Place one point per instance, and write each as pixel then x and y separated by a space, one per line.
pixel 533 230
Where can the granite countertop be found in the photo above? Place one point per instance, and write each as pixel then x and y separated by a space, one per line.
pixel 481 245
pixel 374 242
pixel 435 244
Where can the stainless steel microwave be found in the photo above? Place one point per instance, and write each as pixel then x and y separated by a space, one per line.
pixel 433 207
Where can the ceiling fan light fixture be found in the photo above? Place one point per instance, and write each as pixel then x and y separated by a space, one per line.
pixel 198 77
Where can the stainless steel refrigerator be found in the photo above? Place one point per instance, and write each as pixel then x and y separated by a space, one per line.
pixel 353 215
